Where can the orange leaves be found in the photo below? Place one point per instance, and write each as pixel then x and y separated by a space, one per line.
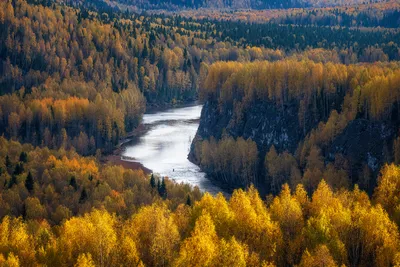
pixel 82 166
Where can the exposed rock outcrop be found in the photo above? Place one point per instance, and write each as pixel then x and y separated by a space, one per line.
pixel 362 142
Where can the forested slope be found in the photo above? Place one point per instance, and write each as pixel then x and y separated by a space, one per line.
pixel 300 122
pixel 380 14
pixel 74 78
pixel 238 4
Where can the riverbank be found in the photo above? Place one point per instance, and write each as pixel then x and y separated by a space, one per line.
pixel 116 157
pixel 163 146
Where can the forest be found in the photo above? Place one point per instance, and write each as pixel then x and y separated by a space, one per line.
pixel 299 128
pixel 61 209
pixel 237 4
pixel 325 98
pixel 366 15
pixel 105 67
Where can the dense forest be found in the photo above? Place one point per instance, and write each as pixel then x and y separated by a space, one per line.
pixel 76 78
pixel 381 14
pixel 300 124
pixel 364 16
pixel 238 4
pixel 60 209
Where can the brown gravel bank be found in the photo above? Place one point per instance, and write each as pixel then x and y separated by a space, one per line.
pixel 126 163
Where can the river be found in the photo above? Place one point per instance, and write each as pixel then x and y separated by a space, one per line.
pixel 164 147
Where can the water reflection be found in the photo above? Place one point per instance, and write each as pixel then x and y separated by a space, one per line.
pixel 165 146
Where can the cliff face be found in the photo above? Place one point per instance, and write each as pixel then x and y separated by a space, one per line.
pixel 365 143
pixel 263 123
pixel 362 142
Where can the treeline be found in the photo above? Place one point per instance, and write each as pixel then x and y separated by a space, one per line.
pixel 364 45
pixel 327 228
pixel 162 56
pixel 237 4
pixel 362 16
pixel 315 86
pixel 234 4
pixel 380 14
pixel 54 185
pixel 86 125
pixel 353 44
pixel 325 99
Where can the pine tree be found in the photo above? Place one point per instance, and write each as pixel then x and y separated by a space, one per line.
pixel 23 157
pixel 29 182
pixel 163 189
pixel 159 186
pixel 189 201
pixel 8 162
pixel 13 181
pixel 73 183
pixel 19 168
pixel 83 196
pixel 152 181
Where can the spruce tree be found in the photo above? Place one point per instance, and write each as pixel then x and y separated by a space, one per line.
pixel 23 157
pixel 19 168
pixel 8 162
pixel 13 181
pixel 189 201
pixel 83 196
pixel 8 165
pixel 152 181
pixel 163 189
pixel 29 182
pixel 73 183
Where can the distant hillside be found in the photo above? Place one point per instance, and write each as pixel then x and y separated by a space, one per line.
pixel 240 4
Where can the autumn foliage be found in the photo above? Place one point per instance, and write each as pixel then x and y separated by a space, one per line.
pixel 325 99
pixel 327 228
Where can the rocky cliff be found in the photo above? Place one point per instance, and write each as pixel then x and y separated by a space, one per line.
pixel 363 142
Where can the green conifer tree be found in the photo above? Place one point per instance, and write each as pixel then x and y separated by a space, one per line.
pixel 83 196
pixel 29 182
pixel 152 181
